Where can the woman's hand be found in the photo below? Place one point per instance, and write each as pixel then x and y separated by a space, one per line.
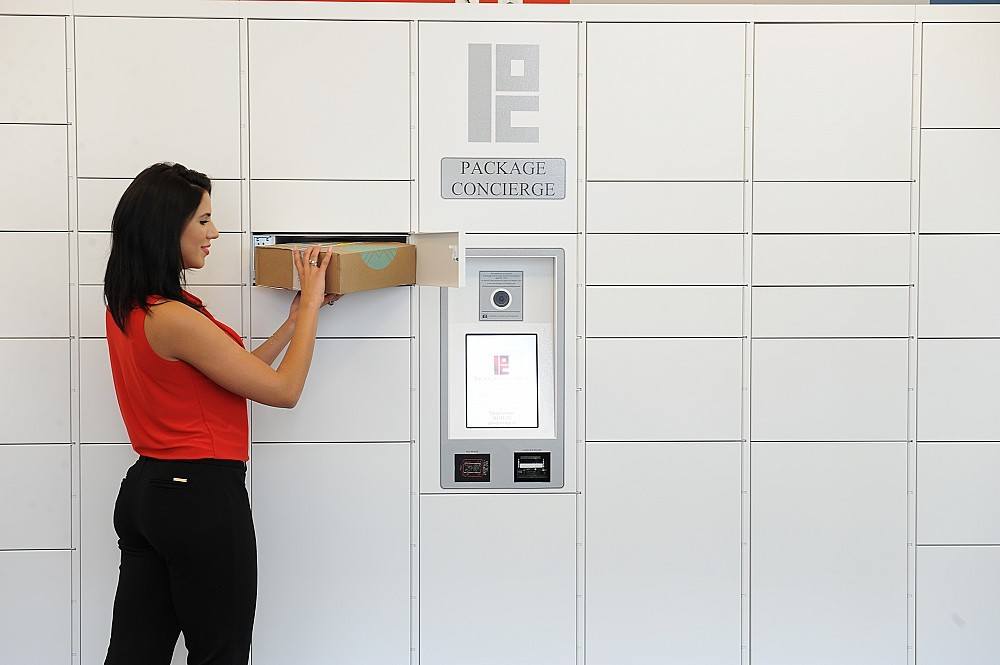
pixel 312 277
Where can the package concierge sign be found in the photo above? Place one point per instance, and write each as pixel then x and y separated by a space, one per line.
pixel 503 178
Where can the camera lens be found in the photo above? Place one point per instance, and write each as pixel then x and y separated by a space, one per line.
pixel 501 298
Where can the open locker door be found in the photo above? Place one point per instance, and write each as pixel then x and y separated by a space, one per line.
pixel 440 258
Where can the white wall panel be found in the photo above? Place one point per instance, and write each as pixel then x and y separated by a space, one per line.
pixel 831 207
pixel 635 75
pixel 100 417
pixel 98 198
pixel 138 101
pixel 33 62
pixel 959 286
pixel 665 207
pixel 357 390
pixel 829 390
pixel 33 168
pixel 376 313
pixel 961 67
pixel 311 120
pixel 311 206
pixel 346 597
pixel 36 407
pixel 223 266
pixel 958 493
pixel 518 575
pixel 665 259
pixel 957 609
pixel 678 389
pixel 959 390
pixel 681 311
pixel 841 260
pixel 830 311
pixel 35 499
pixel 36 266
pixel 840 108
pixel 668 594
pixel 37 612
pixel 959 171
pixel 828 583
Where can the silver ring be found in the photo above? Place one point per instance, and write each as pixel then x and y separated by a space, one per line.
pixel 313 262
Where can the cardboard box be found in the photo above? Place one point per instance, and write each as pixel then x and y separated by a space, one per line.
pixel 354 266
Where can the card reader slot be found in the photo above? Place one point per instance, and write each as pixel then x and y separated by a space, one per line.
pixel 533 467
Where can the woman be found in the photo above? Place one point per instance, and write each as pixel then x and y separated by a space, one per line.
pixel 188 551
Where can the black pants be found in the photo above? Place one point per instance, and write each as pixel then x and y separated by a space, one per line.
pixel 189 563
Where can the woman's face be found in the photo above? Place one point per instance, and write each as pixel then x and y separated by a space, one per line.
pixel 196 239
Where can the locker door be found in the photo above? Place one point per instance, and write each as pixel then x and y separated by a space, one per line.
pixel 34 172
pixel 37 609
pixel 829 389
pixel 35 501
pixel 961 63
pixel 40 260
pixel 333 532
pixel 139 101
pixel 840 109
pixel 520 574
pixel 828 528
pixel 957 609
pixel 636 73
pixel 33 63
pixel 663 590
pixel 37 404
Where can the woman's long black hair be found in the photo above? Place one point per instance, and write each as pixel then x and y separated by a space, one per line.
pixel 146 237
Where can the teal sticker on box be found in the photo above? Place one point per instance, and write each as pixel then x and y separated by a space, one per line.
pixel 379 258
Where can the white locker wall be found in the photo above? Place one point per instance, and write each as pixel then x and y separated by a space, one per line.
pixel 749 269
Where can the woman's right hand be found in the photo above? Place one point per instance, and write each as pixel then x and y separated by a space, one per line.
pixel 312 275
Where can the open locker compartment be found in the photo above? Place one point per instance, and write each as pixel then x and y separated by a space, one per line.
pixel 440 257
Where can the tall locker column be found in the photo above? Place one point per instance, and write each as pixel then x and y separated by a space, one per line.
pixel 329 123
pixel 35 339
pixel 958 423
pixel 829 326
pixel 664 342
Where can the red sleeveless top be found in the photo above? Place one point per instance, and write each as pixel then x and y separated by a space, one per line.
pixel 170 409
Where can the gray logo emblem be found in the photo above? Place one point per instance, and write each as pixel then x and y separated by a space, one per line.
pixel 516 67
